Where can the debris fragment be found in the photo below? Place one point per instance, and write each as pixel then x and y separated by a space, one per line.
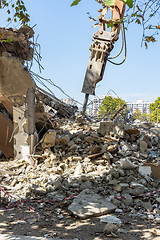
pixel 111 228
pixel 88 204
pixel 111 219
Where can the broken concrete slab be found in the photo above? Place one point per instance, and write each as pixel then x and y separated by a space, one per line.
pixel 146 125
pixel 88 204
pixel 147 206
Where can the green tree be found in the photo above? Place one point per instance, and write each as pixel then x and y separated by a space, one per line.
pixel 140 116
pixel 136 115
pixel 155 110
pixel 110 106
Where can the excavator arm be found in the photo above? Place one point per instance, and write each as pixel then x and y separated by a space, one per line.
pixel 101 47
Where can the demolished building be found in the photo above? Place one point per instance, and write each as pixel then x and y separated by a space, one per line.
pixel 92 164
pixel 22 103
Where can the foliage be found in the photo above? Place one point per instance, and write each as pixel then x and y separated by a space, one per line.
pixel 144 13
pixel 19 11
pixel 110 106
pixel 153 108
pixel 107 2
pixel 75 2
pixel 140 116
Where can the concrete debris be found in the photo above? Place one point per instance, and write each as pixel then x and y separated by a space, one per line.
pixel 127 164
pixel 88 204
pixel 157 220
pixel 110 228
pixel 143 146
pixel 16 42
pixel 103 172
pixel 111 219
pixel 49 139
pixel 147 206
pixel 145 171
pixel 105 128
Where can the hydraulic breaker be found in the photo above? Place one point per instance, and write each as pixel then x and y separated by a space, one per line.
pixel 100 50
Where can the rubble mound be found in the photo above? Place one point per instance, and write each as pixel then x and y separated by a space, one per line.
pixel 103 158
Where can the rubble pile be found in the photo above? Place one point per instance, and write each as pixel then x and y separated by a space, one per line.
pixel 57 107
pixel 16 42
pixel 100 160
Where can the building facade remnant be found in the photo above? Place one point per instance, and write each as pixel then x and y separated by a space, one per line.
pixel 20 98
pixel 17 90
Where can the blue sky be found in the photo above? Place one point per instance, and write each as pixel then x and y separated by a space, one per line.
pixel 65 35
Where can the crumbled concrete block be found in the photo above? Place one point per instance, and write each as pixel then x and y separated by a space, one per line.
pixel 137 191
pixel 121 186
pixel 156 220
pixel 143 146
pixel 147 206
pixel 88 204
pixel 113 182
pixel 110 219
pixel 78 170
pixel 128 201
pixel 127 164
pixel 119 130
pixel 110 228
pixel 49 139
pixel 105 128
pixel 136 185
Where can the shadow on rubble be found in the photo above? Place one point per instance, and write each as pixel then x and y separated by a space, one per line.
pixel 56 222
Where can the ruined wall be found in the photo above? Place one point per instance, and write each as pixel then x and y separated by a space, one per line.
pixel 15 80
